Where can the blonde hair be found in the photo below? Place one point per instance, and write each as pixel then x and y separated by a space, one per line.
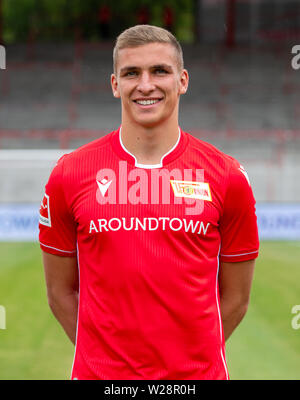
pixel 144 34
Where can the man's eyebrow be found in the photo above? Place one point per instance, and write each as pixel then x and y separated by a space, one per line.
pixel 162 66
pixel 129 68
pixel 158 66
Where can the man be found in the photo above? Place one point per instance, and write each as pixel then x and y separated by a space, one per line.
pixel 148 234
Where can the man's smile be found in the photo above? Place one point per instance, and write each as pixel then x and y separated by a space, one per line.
pixel 146 102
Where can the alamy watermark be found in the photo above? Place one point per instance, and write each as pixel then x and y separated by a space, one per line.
pixel 296 59
pixel 296 318
pixel 2 317
pixel 136 186
pixel 2 57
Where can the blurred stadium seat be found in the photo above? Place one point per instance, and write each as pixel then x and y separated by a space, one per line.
pixel 243 97
pixel 244 101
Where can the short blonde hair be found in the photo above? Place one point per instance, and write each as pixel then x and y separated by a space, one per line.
pixel 139 35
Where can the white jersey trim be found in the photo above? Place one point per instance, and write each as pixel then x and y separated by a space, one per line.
pixel 149 166
pixel 77 323
pixel 237 255
pixel 220 320
pixel 54 248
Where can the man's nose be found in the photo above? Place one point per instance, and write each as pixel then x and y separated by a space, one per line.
pixel 145 84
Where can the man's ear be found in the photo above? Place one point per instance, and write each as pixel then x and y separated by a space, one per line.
pixel 184 81
pixel 115 86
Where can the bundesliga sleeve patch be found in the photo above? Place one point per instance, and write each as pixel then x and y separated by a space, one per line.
pixel 192 190
pixel 45 218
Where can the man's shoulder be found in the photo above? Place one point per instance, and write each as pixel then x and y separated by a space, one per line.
pixel 209 151
pixel 228 170
pixel 85 151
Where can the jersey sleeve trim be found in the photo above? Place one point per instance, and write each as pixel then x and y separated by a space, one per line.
pixel 56 250
pixel 238 255
pixel 251 255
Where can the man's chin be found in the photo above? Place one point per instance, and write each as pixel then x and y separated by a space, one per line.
pixel 149 122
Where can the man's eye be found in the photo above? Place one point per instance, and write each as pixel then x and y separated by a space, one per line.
pixel 130 73
pixel 160 71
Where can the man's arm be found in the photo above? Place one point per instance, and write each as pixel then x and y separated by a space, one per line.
pixel 61 274
pixel 235 280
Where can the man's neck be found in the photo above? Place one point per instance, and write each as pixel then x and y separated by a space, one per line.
pixel 149 145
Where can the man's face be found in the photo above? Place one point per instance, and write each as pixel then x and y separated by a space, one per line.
pixel 149 83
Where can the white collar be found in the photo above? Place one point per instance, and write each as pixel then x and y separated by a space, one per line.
pixel 149 166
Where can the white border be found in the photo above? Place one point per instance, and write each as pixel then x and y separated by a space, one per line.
pixel 77 323
pixel 237 255
pixel 54 248
pixel 149 166
pixel 220 319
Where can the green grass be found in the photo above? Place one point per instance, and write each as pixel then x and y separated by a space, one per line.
pixel 264 346
pixel 33 346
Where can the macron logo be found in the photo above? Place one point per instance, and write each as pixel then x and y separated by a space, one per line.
pixel 103 185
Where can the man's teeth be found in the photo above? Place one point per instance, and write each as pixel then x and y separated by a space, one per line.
pixel 146 102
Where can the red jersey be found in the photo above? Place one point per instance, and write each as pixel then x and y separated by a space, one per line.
pixel 148 241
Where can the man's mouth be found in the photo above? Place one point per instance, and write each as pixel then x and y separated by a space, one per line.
pixel 144 102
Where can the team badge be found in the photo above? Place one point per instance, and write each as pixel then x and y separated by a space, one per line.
pixel 45 218
pixel 191 190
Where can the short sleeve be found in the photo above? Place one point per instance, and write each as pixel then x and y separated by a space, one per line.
pixel 238 224
pixel 57 229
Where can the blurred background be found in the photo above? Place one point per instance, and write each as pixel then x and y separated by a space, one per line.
pixel 243 97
